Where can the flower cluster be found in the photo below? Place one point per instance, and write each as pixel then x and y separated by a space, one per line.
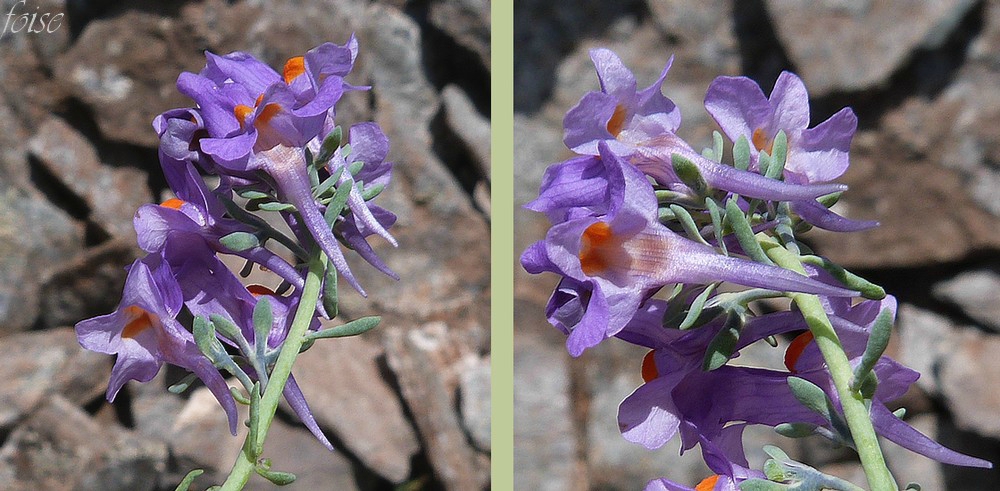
pixel 644 229
pixel 269 141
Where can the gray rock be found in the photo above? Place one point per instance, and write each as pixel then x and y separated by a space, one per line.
pixel 62 448
pixel 469 125
pixel 925 343
pixel 199 435
pixel 858 45
pixel 342 382
pixel 903 193
pixel 704 30
pixel 965 374
pixel 112 195
pixel 293 449
pixel 31 252
pixel 977 293
pixel 546 448
pixel 124 68
pixel 42 363
pixel 87 286
pixel 475 394
pixel 424 360
pixel 467 21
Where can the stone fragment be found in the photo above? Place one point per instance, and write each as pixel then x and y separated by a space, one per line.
pixel 60 447
pixel 859 45
pixel 545 442
pixel 88 285
pixel 31 253
pixel 293 449
pixel 38 364
pixel 704 31
pixel 467 22
pixel 424 360
pixel 343 384
pixel 124 68
pixel 200 438
pixel 469 125
pixel 475 396
pixel 904 194
pixel 977 293
pixel 112 195
pixel 955 364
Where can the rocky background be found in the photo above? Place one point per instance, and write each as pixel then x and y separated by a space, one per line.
pixel 924 79
pixel 407 405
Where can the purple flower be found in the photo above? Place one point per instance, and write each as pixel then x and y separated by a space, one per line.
pixel 815 155
pixel 209 288
pixel 619 114
pixel 724 457
pixel 259 120
pixel 370 146
pixel 197 210
pixel 639 126
pixel 144 333
pixel 618 259
pixel 818 154
pixel 679 397
pixel 574 188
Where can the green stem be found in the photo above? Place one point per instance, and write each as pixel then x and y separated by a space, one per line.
pixel 246 462
pixel 853 404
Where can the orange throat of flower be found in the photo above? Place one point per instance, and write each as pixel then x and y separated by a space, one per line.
pixel 617 121
pixel 597 248
pixel 649 371
pixel 138 321
pixel 761 141
pixel 707 484
pixel 795 349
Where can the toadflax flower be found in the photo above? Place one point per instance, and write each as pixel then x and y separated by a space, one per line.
pixel 725 457
pixel 197 210
pixel 144 333
pixel 259 120
pixel 679 396
pixel 815 155
pixel 618 259
pixel 639 127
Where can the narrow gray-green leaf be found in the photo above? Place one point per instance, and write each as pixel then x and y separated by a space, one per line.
pixel 721 348
pixel 353 328
pixel 715 212
pixel 239 241
pixel 741 153
pixel 811 396
pixel 336 204
pixel 689 174
pixel 717 146
pixel 744 233
pixel 188 480
pixel 778 152
pixel 694 312
pixel 273 206
pixel 687 222
pixel 330 294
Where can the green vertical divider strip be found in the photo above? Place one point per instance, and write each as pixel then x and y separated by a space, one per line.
pixel 502 244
